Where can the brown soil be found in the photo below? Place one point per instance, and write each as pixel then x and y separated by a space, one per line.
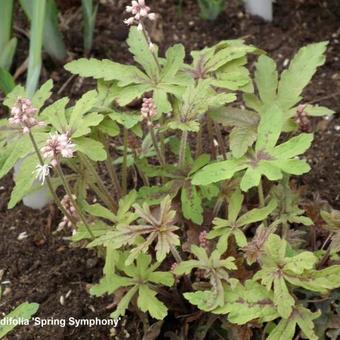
pixel 43 267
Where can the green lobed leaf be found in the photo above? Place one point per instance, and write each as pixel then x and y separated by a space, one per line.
pixel 300 71
pixel 54 114
pixel 174 61
pixel 257 215
pixel 91 148
pixel 42 94
pixel 24 311
pixel 107 70
pixel 247 302
pixel 192 204
pixel 266 79
pixel 139 47
pixel 124 303
pixel 109 284
pixel 270 128
pixel 240 139
pixel 218 171
pixel 148 302
pixel 24 180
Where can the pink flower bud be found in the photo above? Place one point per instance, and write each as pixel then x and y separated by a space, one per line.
pixel 148 109
pixel 129 21
pixel 23 115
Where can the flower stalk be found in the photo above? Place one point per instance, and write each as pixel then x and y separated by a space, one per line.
pixel 71 197
pixel 48 181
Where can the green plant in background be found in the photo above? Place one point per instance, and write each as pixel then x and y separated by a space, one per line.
pixel 43 16
pixel 89 19
pixel 245 267
pixel 211 9
pixel 23 312
pixel 52 38
pixel 7 46
pixel 35 51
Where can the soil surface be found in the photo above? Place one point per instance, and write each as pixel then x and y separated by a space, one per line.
pixel 46 268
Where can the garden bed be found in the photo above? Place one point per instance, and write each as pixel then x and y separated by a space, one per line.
pixel 46 269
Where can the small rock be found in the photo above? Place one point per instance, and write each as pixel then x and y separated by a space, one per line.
pixel 6 291
pixel 22 236
pixel 91 263
pixel 62 300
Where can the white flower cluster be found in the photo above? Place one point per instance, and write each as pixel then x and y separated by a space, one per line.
pixel 139 12
pixel 58 145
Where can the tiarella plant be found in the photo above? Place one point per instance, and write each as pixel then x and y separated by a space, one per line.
pixel 157 169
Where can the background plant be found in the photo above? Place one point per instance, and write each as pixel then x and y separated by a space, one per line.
pixel 211 9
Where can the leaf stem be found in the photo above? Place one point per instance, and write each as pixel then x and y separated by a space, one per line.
pixel 182 149
pixel 220 141
pixel 141 173
pixel 261 194
pixel 199 141
pixel 70 194
pixel 155 144
pixel 211 139
pixel 105 193
pixel 124 165
pixel 175 254
pixel 111 169
pixel 149 42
